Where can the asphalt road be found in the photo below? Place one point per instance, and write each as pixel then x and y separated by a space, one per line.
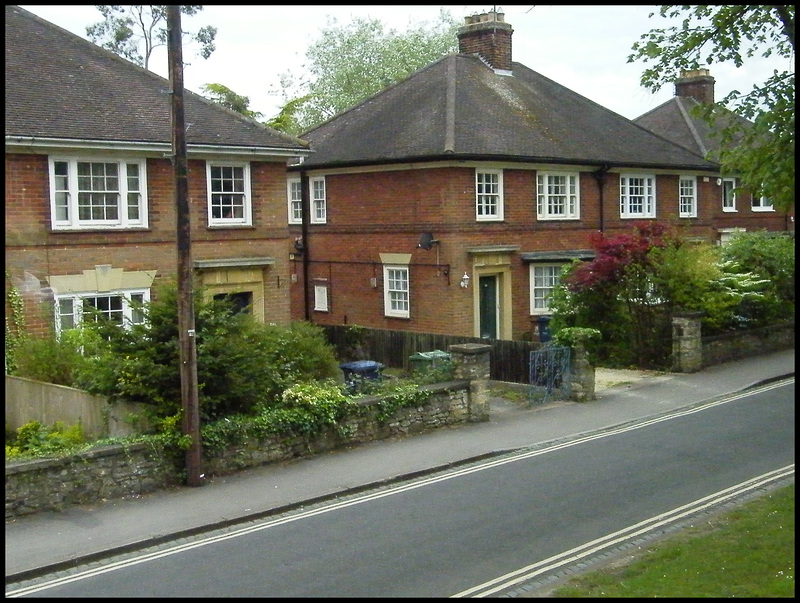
pixel 482 529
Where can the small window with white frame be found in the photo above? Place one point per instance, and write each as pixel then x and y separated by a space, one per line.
pixel 544 278
pixel 396 291
pixel 637 196
pixel 687 196
pixel 557 196
pixel 488 195
pixel 729 194
pixel 98 193
pixel 762 204
pixel 295 194
pixel 229 202
pixel 319 204
pixel 121 307
pixel 321 298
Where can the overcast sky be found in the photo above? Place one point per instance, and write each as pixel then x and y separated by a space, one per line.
pixel 584 48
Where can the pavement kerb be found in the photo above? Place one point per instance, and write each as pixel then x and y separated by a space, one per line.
pixel 218 525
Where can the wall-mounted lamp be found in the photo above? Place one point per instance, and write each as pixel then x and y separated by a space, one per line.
pixel 719 181
pixel 465 281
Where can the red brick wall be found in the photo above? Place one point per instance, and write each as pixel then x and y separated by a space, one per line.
pixel 34 251
pixel 387 212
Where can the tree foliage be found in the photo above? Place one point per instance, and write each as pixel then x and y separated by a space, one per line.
pixel 222 95
pixel 761 152
pixel 242 364
pixel 638 281
pixel 350 62
pixel 134 31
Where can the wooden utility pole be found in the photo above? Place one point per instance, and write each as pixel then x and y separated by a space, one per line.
pixel 186 330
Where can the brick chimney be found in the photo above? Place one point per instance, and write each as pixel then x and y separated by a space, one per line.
pixel 697 84
pixel 489 36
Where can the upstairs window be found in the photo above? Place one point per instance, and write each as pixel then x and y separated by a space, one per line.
pixel 229 201
pixel 295 194
pixel 637 196
pixel 557 196
pixel 728 194
pixel 104 194
pixel 687 197
pixel 319 204
pixel 488 195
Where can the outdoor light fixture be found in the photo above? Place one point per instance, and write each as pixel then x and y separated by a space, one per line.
pixel 465 281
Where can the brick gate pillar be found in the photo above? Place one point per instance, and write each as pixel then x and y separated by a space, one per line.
pixel 471 362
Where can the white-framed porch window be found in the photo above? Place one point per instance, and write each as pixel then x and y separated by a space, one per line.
pixel 121 307
pixel 543 279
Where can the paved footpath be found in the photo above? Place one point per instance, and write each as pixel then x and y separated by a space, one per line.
pixel 47 541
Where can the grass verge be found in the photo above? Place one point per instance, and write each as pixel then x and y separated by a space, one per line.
pixel 746 552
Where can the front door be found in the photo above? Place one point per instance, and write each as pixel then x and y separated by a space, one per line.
pixel 487 289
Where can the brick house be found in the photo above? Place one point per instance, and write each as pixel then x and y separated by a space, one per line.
pixel 674 121
pixel 90 207
pixel 449 202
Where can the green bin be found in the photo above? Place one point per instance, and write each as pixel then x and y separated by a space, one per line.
pixel 422 361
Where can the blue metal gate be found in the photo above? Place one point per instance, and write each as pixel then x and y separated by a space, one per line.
pixel 549 374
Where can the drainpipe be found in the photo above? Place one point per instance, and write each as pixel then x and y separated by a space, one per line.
pixel 306 218
pixel 600 177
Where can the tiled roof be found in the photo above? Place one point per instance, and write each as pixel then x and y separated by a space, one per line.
pixel 459 108
pixel 60 86
pixel 674 120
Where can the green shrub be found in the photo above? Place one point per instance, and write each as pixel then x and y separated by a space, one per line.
pixel 241 364
pixel 36 440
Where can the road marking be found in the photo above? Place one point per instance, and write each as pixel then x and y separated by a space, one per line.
pixel 419 483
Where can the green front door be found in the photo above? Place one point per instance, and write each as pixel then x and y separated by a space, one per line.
pixel 487 289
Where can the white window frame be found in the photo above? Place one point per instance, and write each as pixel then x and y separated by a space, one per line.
pixel 396 291
pixel 638 202
pixel 543 278
pixel 558 196
pixel 321 298
pixel 65 195
pixel 729 194
pixel 294 193
pixel 761 204
pixel 71 304
pixel 318 196
pixel 239 198
pixel 319 202
pixel 488 203
pixel 687 196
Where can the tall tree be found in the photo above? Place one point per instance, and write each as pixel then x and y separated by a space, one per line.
pixel 760 153
pixel 134 31
pixel 350 62
pixel 222 95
